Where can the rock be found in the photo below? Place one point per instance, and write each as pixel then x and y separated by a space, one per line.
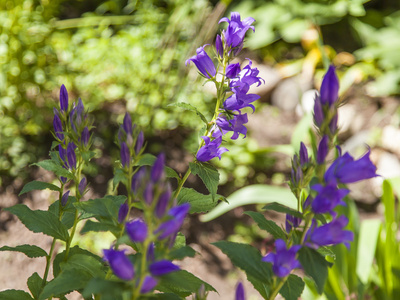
pixel 288 93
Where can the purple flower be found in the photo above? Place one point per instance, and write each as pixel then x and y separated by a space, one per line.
pixel 137 231
pixel 157 170
pixel 239 295
pixel 163 201
pixel 58 127
pixel 127 124
pixel 329 87
pixel 125 155
pixel 248 75
pixel 173 225
pixel 232 70
pixel 64 199
pixel 291 222
pixel 329 234
pixel 323 149
pixel 162 267
pixel 328 198
pixel 218 46
pixel 150 253
pixel 148 193
pixel 203 62
pixel 85 136
pixel 123 212
pixel 63 98
pixel 347 170
pixel 139 142
pixel 284 260
pixel 63 153
pixel 120 264
pixel 149 283
pixel 71 155
pixel 240 99
pixel 236 30
pixel 235 125
pixel 210 149
pixel 303 154
pixel 318 111
pixel 137 179
pixel 82 186
pixel 333 124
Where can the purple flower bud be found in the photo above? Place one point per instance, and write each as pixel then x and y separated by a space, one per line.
pixel 120 264
pixel 236 31
pixel 64 199
pixel 63 98
pixel 137 231
pixel 148 193
pixel 291 222
pixel 71 155
pixel 210 149
pixel 63 179
pixel 63 153
pixel 82 186
pixel 329 87
pixel 172 226
pixel 127 124
pixel 162 267
pixel 218 46
pixel 137 179
pixel 85 136
pixel 157 170
pixel 150 253
pixel 72 119
pixel 328 198
pixel 123 212
pixel 139 142
pixel 149 283
pixel 58 127
pixel 239 295
pixel 125 155
pixel 318 112
pixel 203 62
pixel 323 149
pixel 163 201
pixel 303 154
pixel 333 124
pixel 232 70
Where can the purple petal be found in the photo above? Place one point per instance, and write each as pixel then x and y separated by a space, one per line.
pixel 157 170
pixel 162 267
pixel 137 231
pixel 329 87
pixel 120 264
pixel 149 283
pixel 63 98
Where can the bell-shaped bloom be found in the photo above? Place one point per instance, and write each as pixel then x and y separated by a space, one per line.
pixel 330 87
pixel 82 185
pixel 71 156
pixel 236 125
pixel 123 212
pixel 171 227
pixel 235 32
pixel 137 230
pixel 139 142
pixel 120 264
pixel 64 198
pixel 203 62
pixel 347 170
pixel 58 127
pixel 163 201
pixel 63 98
pixel 127 124
pixel 210 149
pixel 323 149
pixel 329 234
pixel 284 260
pixel 149 283
pixel 157 170
pixel 248 75
pixel 291 222
pixel 328 198
pixel 303 154
pixel 162 267
pixel 232 70
pixel 239 294
pixel 240 99
pixel 125 155
pixel 218 46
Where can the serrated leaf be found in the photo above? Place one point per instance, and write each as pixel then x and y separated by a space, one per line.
pixel 314 266
pixel 119 176
pixel 106 207
pixel 149 159
pixel 109 289
pixel 252 194
pixel 69 210
pixel 40 221
pixel 247 258
pixel 293 288
pixel 325 251
pixel 38 185
pixel 85 263
pixel 282 209
pixel 260 286
pixel 189 107
pixel 50 165
pixel 181 253
pixel 99 227
pixel 182 283
pixel 15 295
pixel 198 202
pixel 267 225
pixel 208 174
pixel 31 251
pixel 34 284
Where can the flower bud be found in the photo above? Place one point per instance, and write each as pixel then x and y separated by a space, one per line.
pixel 127 124
pixel 323 149
pixel 58 127
pixel 123 212
pixel 64 199
pixel 82 186
pixel 219 47
pixel 120 264
pixel 157 171
pixel 71 155
pixel 163 201
pixel 303 154
pixel 149 283
pixel 125 155
pixel 137 231
pixel 148 193
pixel 232 70
pixel 137 179
pixel 63 98
pixel 139 142
pixel 329 87
pixel 162 267
pixel 85 136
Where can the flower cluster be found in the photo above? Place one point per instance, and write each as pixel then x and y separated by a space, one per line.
pixel 233 90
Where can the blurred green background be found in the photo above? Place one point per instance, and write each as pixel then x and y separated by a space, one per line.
pixel 127 55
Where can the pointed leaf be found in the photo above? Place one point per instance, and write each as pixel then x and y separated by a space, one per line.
pixel 283 209
pixel 106 207
pixel 208 174
pixel 31 251
pixel 68 217
pixel 15 295
pixel 293 288
pixel 198 202
pixel 99 227
pixel 35 284
pixel 85 263
pixel 315 266
pixel 267 225
pixel 261 287
pixel 189 107
pixel 38 185
pixel 181 253
pixel 40 221
pixel 50 165
pixel 109 289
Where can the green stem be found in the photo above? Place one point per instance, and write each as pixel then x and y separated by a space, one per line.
pixel 181 183
pixel 278 288
pixel 48 260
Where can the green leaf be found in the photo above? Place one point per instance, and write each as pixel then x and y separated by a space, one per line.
pixel 260 286
pixel 293 288
pixel 182 252
pixel 283 209
pixel 109 289
pixel 119 176
pixel 314 266
pixel 35 284
pixel 68 217
pixel 85 263
pixel 247 258
pixel 40 221
pixel 253 194
pixel 182 283
pixel 161 296
pixel 198 202
pixel 106 207
pixel 149 159
pixel 50 165
pixel 367 241
pixel 208 174
pixel 38 185
pixel 29 250
pixel 189 107
pixel 267 225
pixel 15 295
pixel 99 227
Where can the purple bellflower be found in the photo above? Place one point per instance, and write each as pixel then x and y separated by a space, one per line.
pixel 125 155
pixel 64 199
pixel 318 111
pixel 137 231
pixel 157 170
pixel 210 149
pixel 123 212
pixel 162 267
pixel 234 34
pixel 329 234
pixel 328 198
pixel 239 294
pixel 163 201
pixel 329 87
pixel 139 142
pixel 63 98
pixel 71 156
pixel 82 185
pixel 249 75
pixel 203 62
pixel 347 170
pixel 172 226
pixel 235 125
pixel 58 127
pixel 85 136
pixel 291 222
pixel 323 149
pixel 240 99
pixel 218 46
pixel 284 260
pixel 120 264
pixel 232 70
pixel 127 124
pixel 149 283
pixel 303 154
